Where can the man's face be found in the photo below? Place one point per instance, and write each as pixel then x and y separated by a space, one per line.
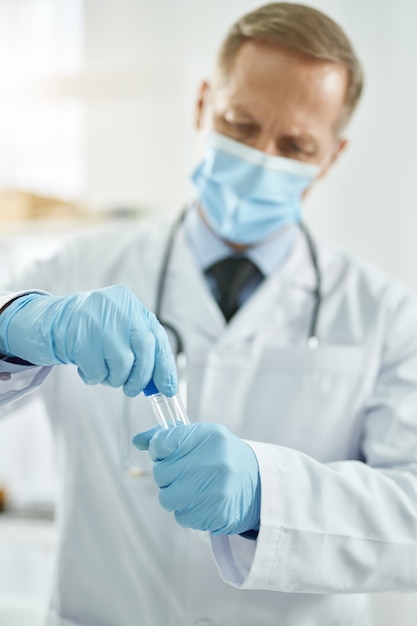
pixel 279 102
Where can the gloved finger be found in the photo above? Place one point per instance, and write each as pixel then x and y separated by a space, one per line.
pixel 168 471
pixel 165 371
pixel 85 378
pixel 143 347
pixel 92 367
pixel 174 497
pixel 167 442
pixel 188 519
pixel 92 373
pixel 119 359
pixel 182 519
pixel 185 439
pixel 186 479
pixel 142 440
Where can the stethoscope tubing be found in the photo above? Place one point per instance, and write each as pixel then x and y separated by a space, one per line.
pixel 312 335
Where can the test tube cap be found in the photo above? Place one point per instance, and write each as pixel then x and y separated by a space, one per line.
pixel 150 389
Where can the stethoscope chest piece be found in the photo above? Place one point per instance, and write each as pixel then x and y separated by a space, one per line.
pixel 313 342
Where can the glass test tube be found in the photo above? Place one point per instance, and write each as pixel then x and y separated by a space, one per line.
pixel 168 411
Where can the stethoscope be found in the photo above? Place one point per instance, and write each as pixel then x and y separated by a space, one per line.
pixel 178 349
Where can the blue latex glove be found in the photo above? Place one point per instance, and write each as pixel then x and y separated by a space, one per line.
pixel 107 333
pixel 209 477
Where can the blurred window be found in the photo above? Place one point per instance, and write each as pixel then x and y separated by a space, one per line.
pixel 41 122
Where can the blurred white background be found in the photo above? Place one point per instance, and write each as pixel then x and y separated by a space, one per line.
pixel 96 106
pixel 97 103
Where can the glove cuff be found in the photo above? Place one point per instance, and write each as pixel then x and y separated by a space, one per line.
pixel 26 328
pixel 6 316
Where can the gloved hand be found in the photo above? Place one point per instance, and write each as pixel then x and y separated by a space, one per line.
pixel 209 477
pixel 108 333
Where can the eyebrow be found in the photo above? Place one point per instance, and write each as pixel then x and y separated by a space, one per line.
pixel 305 138
pixel 240 112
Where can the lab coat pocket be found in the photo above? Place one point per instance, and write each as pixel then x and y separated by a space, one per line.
pixel 310 400
pixel 319 398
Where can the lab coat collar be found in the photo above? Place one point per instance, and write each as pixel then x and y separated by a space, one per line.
pixel 188 302
pixel 207 248
pixel 283 295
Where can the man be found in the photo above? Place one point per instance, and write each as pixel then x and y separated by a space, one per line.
pixel 302 376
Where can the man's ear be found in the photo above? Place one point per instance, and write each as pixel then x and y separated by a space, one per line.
pixel 342 145
pixel 201 104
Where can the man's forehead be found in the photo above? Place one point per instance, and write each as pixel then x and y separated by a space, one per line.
pixel 252 106
pixel 265 79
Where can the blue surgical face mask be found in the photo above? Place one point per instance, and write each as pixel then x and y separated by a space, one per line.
pixel 247 194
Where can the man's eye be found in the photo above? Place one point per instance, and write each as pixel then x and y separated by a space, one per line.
pixel 241 127
pixel 294 147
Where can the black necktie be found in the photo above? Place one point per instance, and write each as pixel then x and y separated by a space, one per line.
pixel 231 276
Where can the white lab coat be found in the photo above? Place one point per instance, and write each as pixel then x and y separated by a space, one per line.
pixel 332 527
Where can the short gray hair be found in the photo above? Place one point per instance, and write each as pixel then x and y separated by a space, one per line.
pixel 300 28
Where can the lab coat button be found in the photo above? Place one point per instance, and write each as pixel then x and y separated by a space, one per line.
pixel 203 622
pixel 5 376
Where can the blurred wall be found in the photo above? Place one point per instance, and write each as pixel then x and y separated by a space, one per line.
pixel 96 103
pixel 141 134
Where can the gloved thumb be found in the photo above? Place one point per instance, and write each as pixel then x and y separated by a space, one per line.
pixel 142 440
pixel 162 442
